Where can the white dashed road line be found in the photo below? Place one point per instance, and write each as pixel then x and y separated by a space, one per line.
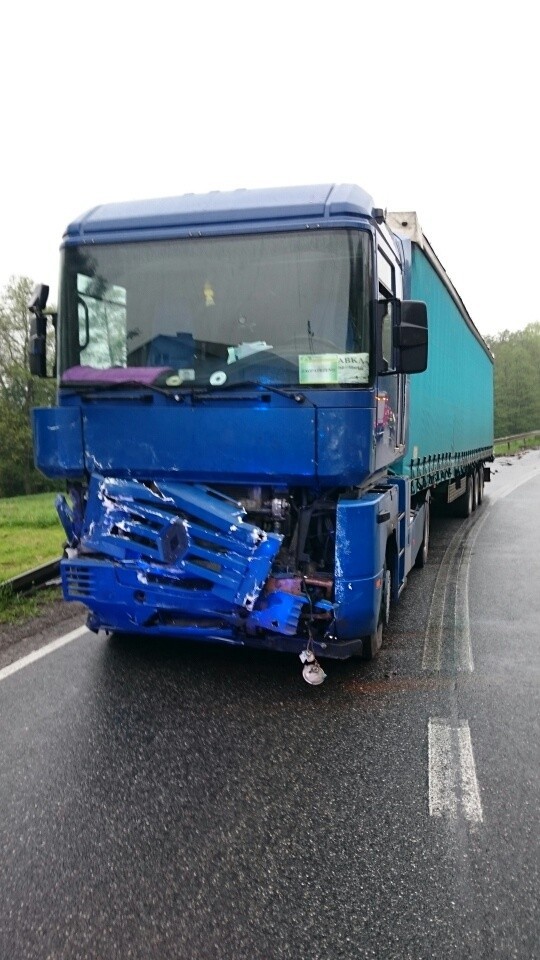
pixel 453 787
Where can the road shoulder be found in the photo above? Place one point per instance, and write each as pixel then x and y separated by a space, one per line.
pixel 56 618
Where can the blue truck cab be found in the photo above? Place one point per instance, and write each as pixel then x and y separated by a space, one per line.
pixel 233 385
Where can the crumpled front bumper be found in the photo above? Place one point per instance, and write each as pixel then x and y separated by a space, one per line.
pixel 173 558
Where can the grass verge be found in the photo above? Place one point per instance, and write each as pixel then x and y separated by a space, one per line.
pixel 17 607
pixel 30 533
pixel 510 447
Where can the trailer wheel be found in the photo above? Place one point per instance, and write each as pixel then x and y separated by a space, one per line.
pixel 422 555
pixel 480 484
pixel 464 506
pixel 372 643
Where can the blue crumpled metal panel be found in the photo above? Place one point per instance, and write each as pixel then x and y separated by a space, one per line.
pixel 194 534
pixel 278 612
pixel 120 525
pixel 172 553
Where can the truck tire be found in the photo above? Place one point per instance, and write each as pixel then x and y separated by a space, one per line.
pixel 372 643
pixel 480 484
pixel 464 505
pixel 422 555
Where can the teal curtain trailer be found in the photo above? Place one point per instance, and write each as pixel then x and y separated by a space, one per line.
pixel 450 428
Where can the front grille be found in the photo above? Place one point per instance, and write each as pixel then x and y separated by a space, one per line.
pixel 77 580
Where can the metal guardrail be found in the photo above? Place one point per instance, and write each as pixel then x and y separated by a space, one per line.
pixel 517 436
pixel 30 579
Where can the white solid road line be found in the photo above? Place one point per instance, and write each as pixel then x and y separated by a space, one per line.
pixel 453 569
pixel 448 632
pixel 42 652
pixel 453 787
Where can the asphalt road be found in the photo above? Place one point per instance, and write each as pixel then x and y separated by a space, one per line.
pixel 164 801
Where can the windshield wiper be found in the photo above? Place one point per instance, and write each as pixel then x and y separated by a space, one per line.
pixel 178 393
pixel 208 391
pixel 88 389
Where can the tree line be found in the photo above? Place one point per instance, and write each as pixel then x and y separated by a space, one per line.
pixel 19 392
pixel 517 380
pixel 517 389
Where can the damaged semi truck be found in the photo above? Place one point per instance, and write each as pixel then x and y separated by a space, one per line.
pixel 249 422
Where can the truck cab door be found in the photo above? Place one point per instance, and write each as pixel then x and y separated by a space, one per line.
pixel 390 415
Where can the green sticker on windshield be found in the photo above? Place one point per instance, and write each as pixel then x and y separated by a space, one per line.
pixel 318 368
pixel 333 368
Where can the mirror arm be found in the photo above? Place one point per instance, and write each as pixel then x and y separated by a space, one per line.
pixel 37 348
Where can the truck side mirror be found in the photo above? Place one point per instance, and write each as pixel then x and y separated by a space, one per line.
pixel 411 337
pixel 37 349
pixel 38 300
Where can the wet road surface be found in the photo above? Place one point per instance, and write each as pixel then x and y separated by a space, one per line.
pixel 165 801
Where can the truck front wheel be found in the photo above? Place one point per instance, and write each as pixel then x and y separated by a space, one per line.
pixel 372 643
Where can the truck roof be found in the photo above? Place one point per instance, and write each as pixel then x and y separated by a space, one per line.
pixel 192 211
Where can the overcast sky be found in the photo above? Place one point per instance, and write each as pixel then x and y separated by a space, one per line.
pixel 428 106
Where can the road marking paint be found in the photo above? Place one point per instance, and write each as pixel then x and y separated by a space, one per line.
pixel 448 629
pixel 453 787
pixel 433 641
pixel 470 793
pixel 462 634
pixel 454 571
pixel 42 652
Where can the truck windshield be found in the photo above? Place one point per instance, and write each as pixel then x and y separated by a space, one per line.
pixel 279 308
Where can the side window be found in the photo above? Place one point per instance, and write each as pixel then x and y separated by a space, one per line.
pixel 387 291
pixel 102 323
pixel 387 335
